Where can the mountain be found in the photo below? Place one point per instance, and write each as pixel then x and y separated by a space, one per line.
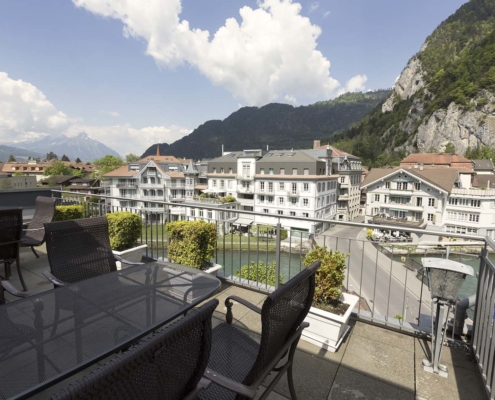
pixel 19 154
pixel 276 125
pixel 82 146
pixel 444 96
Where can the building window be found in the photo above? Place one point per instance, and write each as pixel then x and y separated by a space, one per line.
pixel 328 185
pixel 221 170
pixel 305 203
pixel 305 215
pixel 262 186
pixel 431 202
pixel 431 217
pixel 294 171
pixel 417 185
pixel 229 183
pixel 214 183
pixel 292 213
pixel 342 179
pixel 230 170
pixel 306 171
pixel 377 197
pixel 474 218
pixel 262 171
pixel 210 215
pixel 262 199
pixel 270 199
pixel 418 216
pixel 293 201
pixel 270 187
pixel 214 170
pixel 491 233
pixel 201 213
pixel 306 187
pixel 266 211
pixel 401 185
pixel 222 184
pixel 270 171
pixel 281 186
pixel 294 188
pixel 387 185
pixel 193 212
pixel 281 201
pixel 419 201
pixel 280 212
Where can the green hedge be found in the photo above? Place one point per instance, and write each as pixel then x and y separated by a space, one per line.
pixel 283 234
pixel 261 273
pixel 192 243
pixel 65 213
pixel 124 229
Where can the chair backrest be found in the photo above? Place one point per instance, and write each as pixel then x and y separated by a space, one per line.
pixel 79 249
pixel 10 231
pixel 282 313
pixel 2 294
pixel 44 212
pixel 168 365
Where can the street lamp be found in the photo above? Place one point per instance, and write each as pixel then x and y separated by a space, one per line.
pixel 445 278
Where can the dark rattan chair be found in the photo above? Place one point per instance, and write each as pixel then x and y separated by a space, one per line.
pixel 34 233
pixel 168 365
pixel 239 364
pixel 79 249
pixel 10 241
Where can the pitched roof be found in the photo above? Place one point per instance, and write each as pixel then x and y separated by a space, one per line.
pixel 160 159
pixel 444 180
pixel 121 171
pixel 174 174
pixel 481 181
pixel 58 179
pixel 287 156
pixel 336 152
pixel 483 165
pixel 435 158
pixel 191 168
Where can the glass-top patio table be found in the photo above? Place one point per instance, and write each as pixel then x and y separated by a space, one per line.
pixel 48 337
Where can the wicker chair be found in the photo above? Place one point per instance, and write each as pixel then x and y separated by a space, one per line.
pixel 34 233
pixel 168 365
pixel 79 249
pixel 10 240
pixel 239 364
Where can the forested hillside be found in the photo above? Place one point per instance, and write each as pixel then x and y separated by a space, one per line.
pixel 444 96
pixel 279 126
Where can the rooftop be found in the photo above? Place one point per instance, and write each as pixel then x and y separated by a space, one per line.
pixel 483 165
pixel 372 362
pixel 434 158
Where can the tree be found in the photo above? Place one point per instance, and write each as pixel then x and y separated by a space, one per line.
pixel 450 148
pixel 11 158
pixel 131 158
pixel 79 172
pixel 78 160
pixel 58 168
pixel 106 164
pixel 17 173
pixel 51 155
pixel 65 158
pixel 5 183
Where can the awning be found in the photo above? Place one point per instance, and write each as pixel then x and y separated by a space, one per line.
pixel 398 209
pixel 243 221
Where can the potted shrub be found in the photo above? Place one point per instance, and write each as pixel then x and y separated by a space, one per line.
pixel 193 243
pixel 125 229
pixel 329 315
pixel 261 275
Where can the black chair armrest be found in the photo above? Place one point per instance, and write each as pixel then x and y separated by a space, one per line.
pixel 227 383
pixel 118 258
pixel 13 291
pixel 229 304
pixel 53 279
pixel 202 384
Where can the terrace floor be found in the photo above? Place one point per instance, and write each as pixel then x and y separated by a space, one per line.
pixel 372 362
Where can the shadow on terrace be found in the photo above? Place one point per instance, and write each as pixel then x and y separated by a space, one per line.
pixel 372 362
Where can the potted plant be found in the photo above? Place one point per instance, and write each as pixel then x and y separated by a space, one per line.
pixel 193 243
pixel 329 315
pixel 125 229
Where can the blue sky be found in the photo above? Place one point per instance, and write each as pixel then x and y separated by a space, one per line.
pixel 81 73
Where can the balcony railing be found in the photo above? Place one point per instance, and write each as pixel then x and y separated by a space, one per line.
pixel 126 185
pixel 399 221
pixel 248 190
pixel 386 276
pixel 245 177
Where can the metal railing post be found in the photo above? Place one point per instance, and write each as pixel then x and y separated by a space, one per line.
pixel 277 256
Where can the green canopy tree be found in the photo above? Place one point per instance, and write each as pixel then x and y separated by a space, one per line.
pixel 131 158
pixel 78 160
pixel 450 148
pixel 106 164
pixel 51 155
pixel 65 158
pixel 58 168
pixel 11 158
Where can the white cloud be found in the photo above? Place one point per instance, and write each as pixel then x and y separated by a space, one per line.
pixel 290 99
pixel 26 114
pixel 111 113
pixel 271 51
pixel 355 84
pixel 326 14
pixel 314 6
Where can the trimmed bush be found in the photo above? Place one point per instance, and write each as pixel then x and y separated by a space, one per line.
pixel 261 273
pixel 192 243
pixel 228 199
pixel 124 229
pixel 369 234
pixel 330 276
pixel 65 213
pixel 283 234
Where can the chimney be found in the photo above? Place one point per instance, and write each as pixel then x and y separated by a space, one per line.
pixel 222 149
pixel 421 167
pixel 316 144
pixel 158 150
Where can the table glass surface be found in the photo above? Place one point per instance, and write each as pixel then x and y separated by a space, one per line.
pixel 49 336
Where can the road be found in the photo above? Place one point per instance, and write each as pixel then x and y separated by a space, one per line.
pixel 395 293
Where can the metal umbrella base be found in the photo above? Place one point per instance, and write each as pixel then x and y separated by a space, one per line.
pixel 438 328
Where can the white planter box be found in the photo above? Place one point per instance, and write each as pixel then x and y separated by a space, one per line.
pixel 327 330
pixel 134 255
pixel 213 269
